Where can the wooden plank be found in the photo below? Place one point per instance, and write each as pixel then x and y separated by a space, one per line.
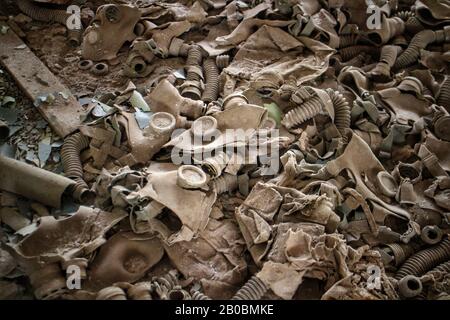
pixel 64 114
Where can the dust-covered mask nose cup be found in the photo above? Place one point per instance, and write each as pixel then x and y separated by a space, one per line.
pixel 191 177
pixel 387 184
pixel 162 122
pixel 204 127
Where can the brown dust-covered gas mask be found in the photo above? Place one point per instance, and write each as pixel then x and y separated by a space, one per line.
pixel 112 27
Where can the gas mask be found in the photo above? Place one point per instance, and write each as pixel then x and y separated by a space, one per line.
pixel 112 27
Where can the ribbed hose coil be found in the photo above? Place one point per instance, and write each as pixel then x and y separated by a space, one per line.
pixel 342 117
pixel 442 268
pixel 42 14
pixel 222 61
pixel 169 280
pixel 414 25
pixel 196 295
pixel 211 92
pixel 307 110
pixel 73 168
pixel 50 15
pixel 405 15
pixel 70 154
pixel 111 293
pixel 400 252
pixel 194 58
pixel 254 289
pixel 444 94
pixel 300 95
pixel 347 40
pixel 424 260
pixel 412 53
pixel 351 52
pixel 225 183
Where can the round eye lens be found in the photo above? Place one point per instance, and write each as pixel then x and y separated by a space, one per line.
pixel 265 92
pixel 139 67
pixel 112 13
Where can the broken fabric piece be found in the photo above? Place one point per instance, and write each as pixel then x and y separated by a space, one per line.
pixel 214 256
pixel 191 207
pixel 273 50
pixel 83 233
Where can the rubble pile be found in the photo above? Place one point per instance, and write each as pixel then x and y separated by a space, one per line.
pixel 216 149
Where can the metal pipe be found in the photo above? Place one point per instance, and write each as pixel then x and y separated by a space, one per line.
pixel 34 183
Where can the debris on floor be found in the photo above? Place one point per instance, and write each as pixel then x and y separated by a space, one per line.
pixel 225 149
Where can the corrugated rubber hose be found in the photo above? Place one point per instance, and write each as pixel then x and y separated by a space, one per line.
pixel 412 53
pixel 42 14
pixel 306 111
pixel 309 107
pixel 413 25
pixel 444 94
pixel 211 92
pixel 253 289
pixel 222 61
pixel 347 40
pixel 342 116
pixel 50 15
pixel 424 260
pixel 70 155
pixel 405 15
pixel 193 73
pixel 351 52
pixel 194 58
pixel 443 268
pixel 168 281
pixel 196 295
pixel 225 183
